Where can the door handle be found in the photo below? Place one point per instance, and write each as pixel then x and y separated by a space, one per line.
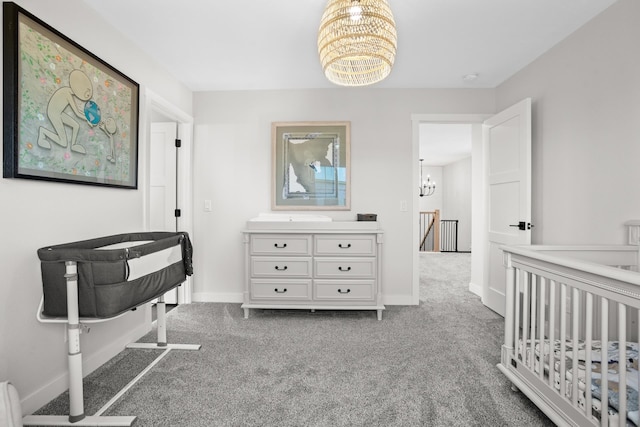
pixel 522 225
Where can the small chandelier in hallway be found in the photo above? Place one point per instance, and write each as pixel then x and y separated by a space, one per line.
pixel 357 41
pixel 428 187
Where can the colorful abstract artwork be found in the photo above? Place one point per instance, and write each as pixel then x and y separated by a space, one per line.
pixel 75 118
pixel 310 166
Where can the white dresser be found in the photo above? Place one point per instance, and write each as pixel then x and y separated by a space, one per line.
pixel 313 266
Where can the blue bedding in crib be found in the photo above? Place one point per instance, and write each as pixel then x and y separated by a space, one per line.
pixel 613 366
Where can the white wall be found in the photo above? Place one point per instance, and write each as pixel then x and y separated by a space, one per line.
pixel 232 152
pixel 35 214
pixel 456 186
pixel 586 130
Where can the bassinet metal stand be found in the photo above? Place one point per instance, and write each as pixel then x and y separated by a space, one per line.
pixel 76 415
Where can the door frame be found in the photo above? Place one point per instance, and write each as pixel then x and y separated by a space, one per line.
pixel 152 105
pixel 478 213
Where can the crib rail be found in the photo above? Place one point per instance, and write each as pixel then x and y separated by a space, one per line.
pixel 561 302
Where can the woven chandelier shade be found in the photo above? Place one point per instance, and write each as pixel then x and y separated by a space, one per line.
pixel 357 41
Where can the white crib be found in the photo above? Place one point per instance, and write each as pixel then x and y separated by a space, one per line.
pixel 567 307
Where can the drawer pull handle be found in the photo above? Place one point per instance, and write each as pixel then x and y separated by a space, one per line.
pixel 340 291
pixel 341 246
pixel 280 292
pixel 281 269
pixel 344 269
pixel 284 245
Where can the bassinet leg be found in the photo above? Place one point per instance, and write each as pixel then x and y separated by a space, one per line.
pixel 76 403
pixel 161 325
pixel 76 406
pixel 161 310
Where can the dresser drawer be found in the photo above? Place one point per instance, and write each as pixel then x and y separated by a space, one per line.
pixel 340 268
pixel 280 244
pixel 345 245
pixel 351 291
pixel 282 290
pixel 280 267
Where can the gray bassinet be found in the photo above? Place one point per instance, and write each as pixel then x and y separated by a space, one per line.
pixel 107 285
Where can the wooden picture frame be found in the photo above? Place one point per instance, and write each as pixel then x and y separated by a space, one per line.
pixel 68 115
pixel 311 166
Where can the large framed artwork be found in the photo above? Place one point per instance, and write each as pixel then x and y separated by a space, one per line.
pixel 310 165
pixel 68 115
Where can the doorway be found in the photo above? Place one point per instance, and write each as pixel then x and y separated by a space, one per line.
pixel 501 193
pixel 167 180
pixel 445 169
pixel 477 227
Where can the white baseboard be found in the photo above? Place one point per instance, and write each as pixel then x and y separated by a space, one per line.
pixel 475 289
pixel 53 389
pixel 224 297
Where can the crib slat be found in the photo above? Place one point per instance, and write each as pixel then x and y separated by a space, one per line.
pixel 604 362
pixel 575 333
pixel 543 286
pixel 525 320
pixel 563 339
pixel 552 331
pixel 588 346
pixel 622 364
pixel 519 345
pixel 533 311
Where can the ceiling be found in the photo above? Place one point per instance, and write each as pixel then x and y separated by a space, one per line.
pixel 236 45
pixel 442 144
pixel 214 45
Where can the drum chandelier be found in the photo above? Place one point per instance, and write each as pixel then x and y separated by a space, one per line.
pixel 357 41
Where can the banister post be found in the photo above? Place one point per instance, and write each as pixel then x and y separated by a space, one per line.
pixel 436 232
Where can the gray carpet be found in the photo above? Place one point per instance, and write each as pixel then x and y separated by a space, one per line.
pixel 426 365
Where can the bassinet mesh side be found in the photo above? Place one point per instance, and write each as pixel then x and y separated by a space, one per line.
pixel 103 288
pixel 119 297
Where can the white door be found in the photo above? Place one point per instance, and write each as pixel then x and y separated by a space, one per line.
pixel 162 192
pixel 507 139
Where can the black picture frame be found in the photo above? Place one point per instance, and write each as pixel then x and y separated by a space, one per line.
pixel 68 115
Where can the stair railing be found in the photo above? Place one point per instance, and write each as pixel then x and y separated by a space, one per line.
pixel 430 231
